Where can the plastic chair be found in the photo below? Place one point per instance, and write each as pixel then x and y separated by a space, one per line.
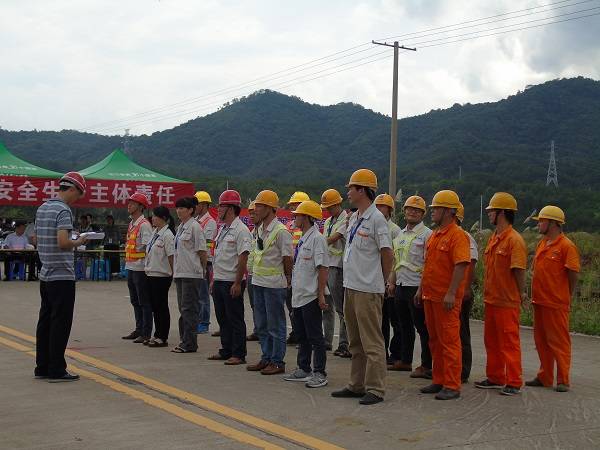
pixel 100 269
pixel 80 268
pixel 21 267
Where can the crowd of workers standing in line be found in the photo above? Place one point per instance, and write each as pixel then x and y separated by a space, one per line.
pixel 362 267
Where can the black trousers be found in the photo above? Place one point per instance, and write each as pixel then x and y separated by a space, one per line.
pixel 308 320
pixel 54 326
pixel 402 301
pixel 137 282
pixel 113 258
pixel 418 318
pixel 230 316
pixel 288 304
pixel 158 289
pixel 393 346
pixel 465 338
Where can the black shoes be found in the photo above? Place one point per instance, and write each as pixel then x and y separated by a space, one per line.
pixel 133 335
pixel 431 389
pixel 370 399
pixel 347 393
pixel 447 394
pixel 66 377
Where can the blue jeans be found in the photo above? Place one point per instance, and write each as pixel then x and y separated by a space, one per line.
pixel 204 304
pixel 269 314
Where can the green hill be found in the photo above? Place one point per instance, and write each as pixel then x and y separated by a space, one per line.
pixel 271 140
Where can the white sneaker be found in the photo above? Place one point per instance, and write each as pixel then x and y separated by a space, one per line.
pixel 298 375
pixel 317 380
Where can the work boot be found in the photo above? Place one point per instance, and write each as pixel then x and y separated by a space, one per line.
pixel 447 394
pixel 273 369
pixel 399 366
pixel 536 382
pixel 487 384
pixel 370 399
pixel 431 389
pixel 421 372
pixel 562 387
pixel 257 367
pixel 347 393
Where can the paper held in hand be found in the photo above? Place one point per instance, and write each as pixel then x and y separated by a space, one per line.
pixel 91 235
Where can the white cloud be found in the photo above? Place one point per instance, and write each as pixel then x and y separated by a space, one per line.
pixel 71 64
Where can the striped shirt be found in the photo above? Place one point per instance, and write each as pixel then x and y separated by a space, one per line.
pixel 57 264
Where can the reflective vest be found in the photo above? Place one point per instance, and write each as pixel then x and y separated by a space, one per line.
pixel 131 253
pixel 210 245
pixel 332 250
pixel 402 246
pixel 295 232
pixel 258 267
pixel 251 254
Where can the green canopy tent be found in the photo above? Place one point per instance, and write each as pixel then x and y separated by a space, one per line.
pixel 111 181
pixel 23 183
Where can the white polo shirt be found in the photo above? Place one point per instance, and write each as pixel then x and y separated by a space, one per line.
pixel 336 250
pixel 189 240
pixel 406 275
pixel 230 243
pixel 273 256
pixel 158 250
pixel 143 237
pixel 365 237
pixel 312 253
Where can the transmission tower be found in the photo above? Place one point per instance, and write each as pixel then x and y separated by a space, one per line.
pixel 552 172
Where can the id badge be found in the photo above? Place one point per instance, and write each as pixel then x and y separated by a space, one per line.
pixel 347 254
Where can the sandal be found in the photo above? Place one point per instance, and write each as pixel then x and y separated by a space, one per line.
pixel 157 343
pixel 345 354
pixel 182 350
pixel 217 357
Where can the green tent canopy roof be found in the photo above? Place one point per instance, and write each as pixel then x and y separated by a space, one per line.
pixel 118 166
pixel 10 165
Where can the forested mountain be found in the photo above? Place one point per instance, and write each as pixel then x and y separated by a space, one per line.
pixel 271 140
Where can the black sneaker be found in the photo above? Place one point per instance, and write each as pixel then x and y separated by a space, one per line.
pixel 347 393
pixel 534 383
pixel 291 340
pixel 487 384
pixel 134 334
pixel 40 375
pixel 431 389
pixel 370 399
pixel 447 394
pixel 63 378
pixel 510 390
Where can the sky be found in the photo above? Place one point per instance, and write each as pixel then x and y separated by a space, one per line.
pixel 149 65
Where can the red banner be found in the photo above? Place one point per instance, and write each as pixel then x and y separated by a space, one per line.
pixel 25 191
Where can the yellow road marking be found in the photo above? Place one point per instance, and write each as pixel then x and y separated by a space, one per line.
pixel 182 413
pixel 248 419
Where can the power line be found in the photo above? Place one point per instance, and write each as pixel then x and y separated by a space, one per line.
pixel 311 76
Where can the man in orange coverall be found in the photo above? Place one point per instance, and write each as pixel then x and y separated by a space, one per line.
pixel 555 270
pixel 505 261
pixel 442 288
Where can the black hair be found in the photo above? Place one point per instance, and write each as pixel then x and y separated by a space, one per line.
pixel 237 210
pixel 195 201
pixel 510 216
pixel 110 216
pixel 20 222
pixel 164 213
pixel 186 202
pixel 370 193
pixel 64 188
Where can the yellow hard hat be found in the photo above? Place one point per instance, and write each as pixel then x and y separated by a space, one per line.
pixel 330 197
pixel 363 177
pixel 445 199
pixel 460 212
pixel 268 198
pixel 385 199
pixel 309 208
pixel 502 200
pixel 202 197
pixel 298 197
pixel 251 206
pixel 414 201
pixel 552 213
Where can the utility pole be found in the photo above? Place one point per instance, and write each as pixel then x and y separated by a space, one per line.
pixel 394 137
pixel 126 141
pixel 552 172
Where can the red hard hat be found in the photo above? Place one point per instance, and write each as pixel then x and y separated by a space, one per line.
pixel 73 179
pixel 140 198
pixel 230 197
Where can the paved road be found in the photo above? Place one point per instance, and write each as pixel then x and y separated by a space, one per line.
pixel 131 396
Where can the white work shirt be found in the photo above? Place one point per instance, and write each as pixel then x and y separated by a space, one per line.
pixel 231 242
pixel 339 226
pixel 209 229
pixel 189 240
pixel 273 256
pixel 158 250
pixel 416 253
pixel 16 242
pixel 362 257
pixel 143 237
pixel 312 254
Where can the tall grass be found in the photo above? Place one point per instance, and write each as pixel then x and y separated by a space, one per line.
pixel 585 308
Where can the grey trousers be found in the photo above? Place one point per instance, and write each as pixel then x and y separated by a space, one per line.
pixel 189 291
pixel 336 305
